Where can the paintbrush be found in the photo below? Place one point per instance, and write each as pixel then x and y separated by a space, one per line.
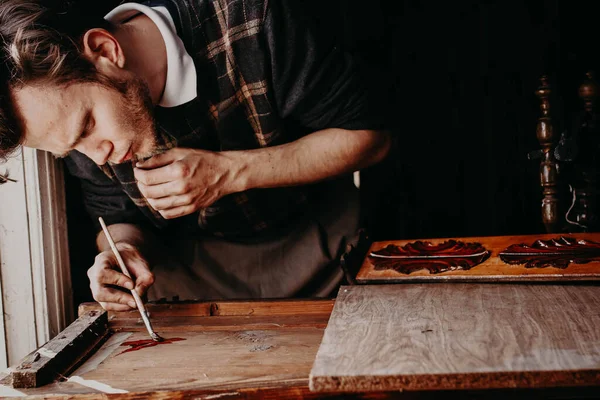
pixel 138 300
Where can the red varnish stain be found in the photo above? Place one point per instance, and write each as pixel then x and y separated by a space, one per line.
pixel 142 344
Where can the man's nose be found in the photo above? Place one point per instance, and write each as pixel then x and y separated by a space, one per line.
pixel 97 152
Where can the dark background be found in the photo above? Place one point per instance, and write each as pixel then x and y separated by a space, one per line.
pixel 457 80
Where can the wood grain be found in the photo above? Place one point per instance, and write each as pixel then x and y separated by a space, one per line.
pixel 202 316
pixel 62 353
pixel 228 346
pixel 285 307
pixel 460 336
pixel 212 359
pixel 491 270
pixel 232 370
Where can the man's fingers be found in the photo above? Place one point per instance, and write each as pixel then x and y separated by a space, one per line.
pixel 163 189
pixel 171 172
pixel 159 160
pixel 177 211
pixel 143 283
pixel 151 177
pixel 115 307
pixel 105 276
pixel 143 278
pixel 114 296
pixel 138 268
pixel 106 280
pixel 109 277
pixel 167 203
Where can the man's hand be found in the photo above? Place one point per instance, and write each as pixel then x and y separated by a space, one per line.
pixel 181 181
pixel 106 278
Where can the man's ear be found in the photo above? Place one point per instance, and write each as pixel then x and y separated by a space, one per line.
pixel 103 49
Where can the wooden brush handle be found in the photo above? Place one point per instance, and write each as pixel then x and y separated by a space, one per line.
pixel 122 265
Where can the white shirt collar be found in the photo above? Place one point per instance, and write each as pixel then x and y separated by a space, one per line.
pixel 180 86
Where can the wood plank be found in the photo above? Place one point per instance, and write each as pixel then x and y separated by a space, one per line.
pixel 242 345
pixel 226 308
pixel 460 336
pixel 302 392
pixel 155 310
pixel 211 359
pixel 232 369
pixel 492 269
pixel 199 324
pixel 280 307
pixel 61 354
pixel 223 315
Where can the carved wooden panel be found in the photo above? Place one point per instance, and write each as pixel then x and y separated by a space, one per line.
pixel 546 257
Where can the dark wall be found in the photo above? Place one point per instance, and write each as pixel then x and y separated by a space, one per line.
pixel 457 82
pixel 459 78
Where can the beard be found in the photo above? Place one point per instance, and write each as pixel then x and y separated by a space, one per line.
pixel 137 116
pixel 136 113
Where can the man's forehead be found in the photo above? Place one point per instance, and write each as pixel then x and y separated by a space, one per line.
pixel 35 105
pixel 33 98
pixel 38 93
pixel 44 110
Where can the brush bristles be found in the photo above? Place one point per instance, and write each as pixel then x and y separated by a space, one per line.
pixel 156 338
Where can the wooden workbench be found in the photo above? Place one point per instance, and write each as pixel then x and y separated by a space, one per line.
pixel 230 350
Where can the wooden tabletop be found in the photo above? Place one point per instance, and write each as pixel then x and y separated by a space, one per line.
pixel 223 350
pixel 251 348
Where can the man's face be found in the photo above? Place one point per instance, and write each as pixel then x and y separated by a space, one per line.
pixel 102 123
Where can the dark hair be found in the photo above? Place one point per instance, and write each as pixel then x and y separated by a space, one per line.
pixel 40 43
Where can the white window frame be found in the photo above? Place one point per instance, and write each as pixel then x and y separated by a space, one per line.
pixel 36 297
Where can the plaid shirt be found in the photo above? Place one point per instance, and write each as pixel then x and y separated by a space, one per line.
pixel 264 79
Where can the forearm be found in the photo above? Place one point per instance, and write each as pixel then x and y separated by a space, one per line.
pixel 125 233
pixel 181 181
pixel 313 158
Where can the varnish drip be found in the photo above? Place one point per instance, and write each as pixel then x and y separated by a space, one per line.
pixel 142 344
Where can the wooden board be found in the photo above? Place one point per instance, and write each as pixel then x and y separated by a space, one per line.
pixel 221 346
pixel 224 335
pixel 61 354
pixel 581 259
pixel 460 336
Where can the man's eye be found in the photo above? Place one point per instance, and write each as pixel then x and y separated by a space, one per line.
pixel 88 127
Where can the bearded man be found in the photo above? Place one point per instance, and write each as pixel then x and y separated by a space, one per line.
pixel 216 138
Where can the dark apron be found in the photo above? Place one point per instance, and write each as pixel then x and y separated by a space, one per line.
pixel 302 263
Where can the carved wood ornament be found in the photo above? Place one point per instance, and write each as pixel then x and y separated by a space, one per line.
pixel 436 258
pixel 558 253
